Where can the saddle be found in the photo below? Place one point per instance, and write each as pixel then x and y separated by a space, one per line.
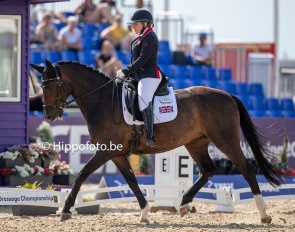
pixel 131 96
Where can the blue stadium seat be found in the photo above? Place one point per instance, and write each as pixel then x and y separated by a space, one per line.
pixel 273 108
pixel 197 82
pixel 164 57
pixel 165 69
pixel 52 56
pixel 69 55
pixel 188 83
pixel 59 25
pixel 180 83
pixel 209 73
pixel 124 56
pixel 100 27
pixel 36 57
pixel 241 88
pixel 226 86
pixel 87 57
pixel 287 104
pixel 258 106
pixel 195 72
pixel 210 83
pixel 256 89
pixel 89 43
pixel 225 74
pixel 179 71
pixel 246 101
pixel 89 30
pixel 164 46
pixel 287 107
pixel 175 83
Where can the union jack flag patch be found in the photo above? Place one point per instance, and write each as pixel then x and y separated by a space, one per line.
pixel 165 109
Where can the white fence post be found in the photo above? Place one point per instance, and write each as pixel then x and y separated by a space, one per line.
pixel 224 200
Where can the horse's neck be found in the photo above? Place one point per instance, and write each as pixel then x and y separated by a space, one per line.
pixel 82 85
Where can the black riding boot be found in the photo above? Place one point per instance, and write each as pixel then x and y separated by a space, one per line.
pixel 148 118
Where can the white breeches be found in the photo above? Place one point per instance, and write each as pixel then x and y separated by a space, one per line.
pixel 146 89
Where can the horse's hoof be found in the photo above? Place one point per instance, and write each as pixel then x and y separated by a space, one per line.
pixel 144 220
pixel 144 215
pixel 266 220
pixel 65 216
pixel 184 210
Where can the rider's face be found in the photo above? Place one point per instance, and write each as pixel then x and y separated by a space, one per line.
pixel 137 27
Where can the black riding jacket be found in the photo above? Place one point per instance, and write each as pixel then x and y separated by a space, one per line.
pixel 144 57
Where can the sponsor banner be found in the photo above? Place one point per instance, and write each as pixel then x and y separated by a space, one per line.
pixel 28 198
pixel 115 181
pixel 73 131
pixel 217 182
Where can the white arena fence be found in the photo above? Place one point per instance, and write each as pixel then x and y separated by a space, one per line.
pixel 226 198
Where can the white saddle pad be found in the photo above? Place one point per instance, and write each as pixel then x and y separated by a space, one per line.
pixel 165 108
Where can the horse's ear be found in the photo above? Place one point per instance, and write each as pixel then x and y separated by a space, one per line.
pixel 39 68
pixel 50 67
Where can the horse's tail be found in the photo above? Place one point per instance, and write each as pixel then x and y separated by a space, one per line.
pixel 256 141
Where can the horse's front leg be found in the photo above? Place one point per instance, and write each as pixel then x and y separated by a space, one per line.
pixel 124 166
pixel 96 161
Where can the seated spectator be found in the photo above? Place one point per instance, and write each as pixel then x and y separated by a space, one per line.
pixel 84 10
pixel 126 41
pixel 36 93
pixel 47 33
pixel 70 35
pixel 102 13
pixel 139 4
pixel 107 62
pixel 201 51
pixel 37 12
pixel 115 33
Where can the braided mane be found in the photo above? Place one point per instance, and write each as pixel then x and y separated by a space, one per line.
pixel 83 66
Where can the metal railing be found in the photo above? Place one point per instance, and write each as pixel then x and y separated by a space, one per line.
pixel 287 82
pixel 261 70
pixel 169 24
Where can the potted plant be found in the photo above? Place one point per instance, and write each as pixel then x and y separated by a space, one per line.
pixel 18 175
pixel 33 210
pixel 63 174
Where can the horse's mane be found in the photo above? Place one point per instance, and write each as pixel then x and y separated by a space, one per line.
pixel 83 66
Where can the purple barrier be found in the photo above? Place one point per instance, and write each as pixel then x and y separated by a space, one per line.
pixel 73 130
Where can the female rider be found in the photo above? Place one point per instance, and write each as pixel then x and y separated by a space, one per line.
pixel 144 68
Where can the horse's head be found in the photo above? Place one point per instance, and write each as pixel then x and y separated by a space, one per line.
pixel 55 93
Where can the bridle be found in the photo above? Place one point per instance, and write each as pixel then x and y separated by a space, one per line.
pixel 61 88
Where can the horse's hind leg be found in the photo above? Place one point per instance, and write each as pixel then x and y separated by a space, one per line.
pixel 198 149
pixel 231 148
pixel 93 164
pixel 124 166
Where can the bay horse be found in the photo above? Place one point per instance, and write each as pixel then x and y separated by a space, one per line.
pixel 205 115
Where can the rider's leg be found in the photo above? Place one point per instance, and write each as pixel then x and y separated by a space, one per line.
pixel 146 89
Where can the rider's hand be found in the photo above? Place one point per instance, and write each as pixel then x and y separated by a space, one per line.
pixel 120 74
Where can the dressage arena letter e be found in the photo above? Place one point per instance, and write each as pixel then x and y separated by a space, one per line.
pixel 182 166
pixel 165 165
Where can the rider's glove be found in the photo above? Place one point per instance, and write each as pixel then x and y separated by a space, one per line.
pixel 120 74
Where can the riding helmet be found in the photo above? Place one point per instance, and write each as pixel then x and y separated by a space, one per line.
pixel 141 15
